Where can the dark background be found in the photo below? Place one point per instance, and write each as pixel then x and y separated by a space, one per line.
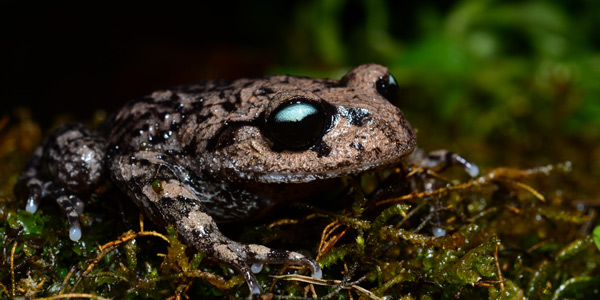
pixel 73 58
pixel 507 82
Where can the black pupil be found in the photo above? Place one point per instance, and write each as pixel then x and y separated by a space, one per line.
pixel 388 87
pixel 296 125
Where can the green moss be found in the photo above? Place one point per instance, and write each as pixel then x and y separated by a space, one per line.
pixel 506 84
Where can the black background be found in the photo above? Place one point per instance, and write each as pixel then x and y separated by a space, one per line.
pixel 76 58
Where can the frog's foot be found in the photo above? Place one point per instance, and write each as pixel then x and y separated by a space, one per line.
pixel 71 204
pixel 240 256
pixel 439 160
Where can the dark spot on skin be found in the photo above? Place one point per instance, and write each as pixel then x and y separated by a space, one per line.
pixel 145 146
pixel 201 119
pixel 357 146
pixel 250 254
pixel 178 106
pixel 263 91
pixel 447 156
pixel 343 164
pixel 277 255
pixel 112 151
pixel 175 126
pixel 197 232
pixel 173 152
pixel 356 116
pixel 160 138
pixel 327 84
pixel 322 149
pixel 190 149
pixel 185 209
pixel 228 106
pixel 167 201
pixel 224 138
pixel 198 104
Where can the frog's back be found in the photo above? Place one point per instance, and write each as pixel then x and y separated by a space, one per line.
pixel 155 121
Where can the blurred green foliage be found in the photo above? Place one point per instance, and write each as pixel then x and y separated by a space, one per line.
pixel 515 82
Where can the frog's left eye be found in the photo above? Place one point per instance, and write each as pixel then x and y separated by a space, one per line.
pixel 387 87
pixel 297 124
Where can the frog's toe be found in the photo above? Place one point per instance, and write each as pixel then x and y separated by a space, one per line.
pixel 250 279
pixel 73 208
pixel 35 195
pixel 249 259
pixel 259 255
pixel 256 268
pixel 71 205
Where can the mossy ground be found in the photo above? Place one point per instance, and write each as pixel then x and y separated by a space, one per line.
pixel 510 234
pixel 510 85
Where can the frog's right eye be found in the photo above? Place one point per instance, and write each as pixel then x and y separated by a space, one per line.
pixel 387 87
pixel 297 124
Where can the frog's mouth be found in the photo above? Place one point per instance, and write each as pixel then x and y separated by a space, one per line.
pixel 305 177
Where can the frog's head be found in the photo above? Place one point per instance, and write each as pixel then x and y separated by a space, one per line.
pixel 307 129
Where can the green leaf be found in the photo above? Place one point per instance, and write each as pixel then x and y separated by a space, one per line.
pixel 583 287
pixel 596 235
pixel 31 223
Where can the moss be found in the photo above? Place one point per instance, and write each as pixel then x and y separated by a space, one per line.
pixel 504 238
pixel 512 85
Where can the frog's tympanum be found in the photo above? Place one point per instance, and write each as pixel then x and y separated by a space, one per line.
pixel 224 151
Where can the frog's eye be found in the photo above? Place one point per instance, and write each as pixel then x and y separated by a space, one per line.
pixel 296 125
pixel 387 87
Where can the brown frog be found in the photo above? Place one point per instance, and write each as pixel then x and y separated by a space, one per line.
pixel 224 151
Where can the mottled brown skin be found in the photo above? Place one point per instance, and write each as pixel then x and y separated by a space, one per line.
pixel 194 154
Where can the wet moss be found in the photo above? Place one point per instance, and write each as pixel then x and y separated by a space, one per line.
pixel 506 234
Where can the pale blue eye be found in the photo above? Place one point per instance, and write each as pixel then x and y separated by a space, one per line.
pixel 296 125
pixel 295 112
pixel 392 80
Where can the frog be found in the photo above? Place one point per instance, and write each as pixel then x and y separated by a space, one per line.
pixel 218 151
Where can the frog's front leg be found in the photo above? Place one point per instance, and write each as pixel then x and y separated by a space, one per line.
pixel 439 160
pixel 169 194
